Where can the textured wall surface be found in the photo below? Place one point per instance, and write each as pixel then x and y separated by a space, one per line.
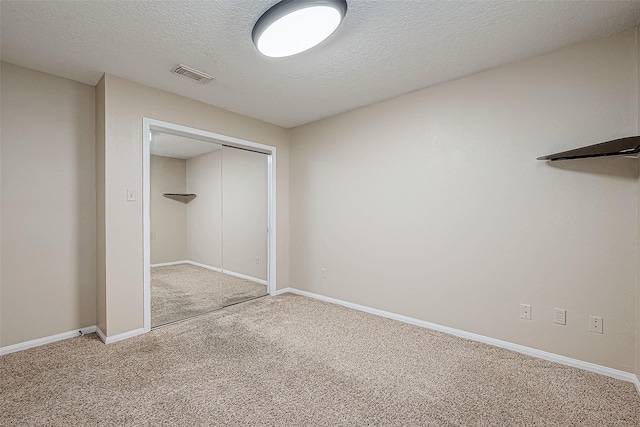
pixel 433 205
pixel 244 212
pixel 638 210
pixel 204 213
pixel 48 205
pixel 101 273
pixel 168 216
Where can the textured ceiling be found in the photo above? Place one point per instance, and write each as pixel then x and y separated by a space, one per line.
pixel 383 49
pixel 179 147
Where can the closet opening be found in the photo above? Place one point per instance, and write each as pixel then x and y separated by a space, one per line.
pixel 209 221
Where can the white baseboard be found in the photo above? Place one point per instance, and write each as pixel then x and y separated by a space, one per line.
pixel 46 340
pixel 636 382
pixel 166 264
pixel 244 276
pixel 563 360
pixel 101 335
pixel 208 267
pixel 119 337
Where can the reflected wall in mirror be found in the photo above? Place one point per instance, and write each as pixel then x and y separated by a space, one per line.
pixel 188 180
pixel 245 216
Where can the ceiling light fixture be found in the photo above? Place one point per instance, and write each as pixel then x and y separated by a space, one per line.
pixel 293 26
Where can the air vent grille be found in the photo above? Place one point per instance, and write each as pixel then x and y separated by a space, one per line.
pixel 193 74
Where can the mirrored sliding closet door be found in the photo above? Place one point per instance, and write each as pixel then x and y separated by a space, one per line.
pixel 244 224
pixel 208 226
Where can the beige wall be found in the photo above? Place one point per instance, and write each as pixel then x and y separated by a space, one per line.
pixel 244 212
pixel 204 213
pixel 127 103
pixel 168 216
pixel 638 213
pixel 433 205
pixel 0 208
pixel 48 211
pixel 101 279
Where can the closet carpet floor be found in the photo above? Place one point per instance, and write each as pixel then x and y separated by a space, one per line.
pixel 293 361
pixel 184 290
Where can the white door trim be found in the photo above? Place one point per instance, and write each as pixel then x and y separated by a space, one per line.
pixel 151 124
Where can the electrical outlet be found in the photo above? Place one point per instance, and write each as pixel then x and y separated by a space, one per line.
pixel 595 324
pixel 560 316
pixel 257 260
pixel 324 273
pixel 525 311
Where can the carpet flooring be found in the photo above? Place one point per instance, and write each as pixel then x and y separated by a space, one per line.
pixel 293 361
pixel 182 291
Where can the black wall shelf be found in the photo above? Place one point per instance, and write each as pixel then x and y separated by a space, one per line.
pixel 180 197
pixel 629 146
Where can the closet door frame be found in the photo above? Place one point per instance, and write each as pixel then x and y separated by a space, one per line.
pixel 149 125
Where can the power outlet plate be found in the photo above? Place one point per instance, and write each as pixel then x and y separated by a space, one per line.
pixel 525 311
pixel 560 316
pixel 324 273
pixel 595 324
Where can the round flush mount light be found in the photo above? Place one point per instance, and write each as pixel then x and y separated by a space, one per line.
pixel 293 26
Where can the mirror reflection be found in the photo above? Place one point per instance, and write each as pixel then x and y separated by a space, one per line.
pixel 209 216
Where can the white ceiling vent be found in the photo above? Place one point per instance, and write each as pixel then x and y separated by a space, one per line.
pixel 193 74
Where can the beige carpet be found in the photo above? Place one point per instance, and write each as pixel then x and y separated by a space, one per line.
pixel 293 361
pixel 184 290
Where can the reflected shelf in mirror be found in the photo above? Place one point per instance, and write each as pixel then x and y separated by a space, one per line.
pixel 180 197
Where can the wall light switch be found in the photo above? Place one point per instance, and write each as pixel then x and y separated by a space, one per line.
pixel 324 273
pixel 131 195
